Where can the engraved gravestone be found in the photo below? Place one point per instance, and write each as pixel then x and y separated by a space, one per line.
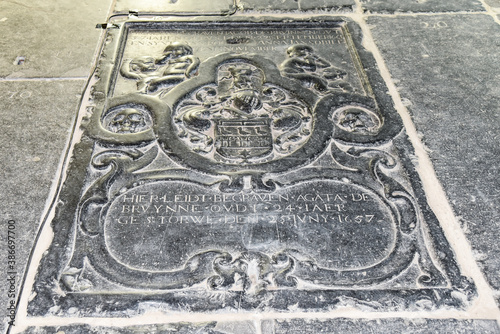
pixel 242 165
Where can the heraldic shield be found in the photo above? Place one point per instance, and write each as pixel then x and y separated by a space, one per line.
pixel 243 138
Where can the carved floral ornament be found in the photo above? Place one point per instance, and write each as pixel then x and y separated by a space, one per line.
pixel 240 110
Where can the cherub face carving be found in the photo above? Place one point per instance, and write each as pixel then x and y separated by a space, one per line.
pixel 127 121
pixel 143 64
pixel 356 119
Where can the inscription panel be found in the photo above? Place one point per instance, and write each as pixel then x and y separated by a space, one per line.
pixel 259 163
pixel 324 219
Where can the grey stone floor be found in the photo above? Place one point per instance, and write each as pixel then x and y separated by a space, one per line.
pixel 442 62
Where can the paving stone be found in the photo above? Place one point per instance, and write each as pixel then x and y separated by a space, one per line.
pixel 35 118
pixel 446 70
pixel 179 328
pixel 327 5
pixel 244 165
pixel 413 326
pixel 292 326
pixel 266 5
pixel 296 5
pixel 421 6
pixel 176 6
pixel 55 38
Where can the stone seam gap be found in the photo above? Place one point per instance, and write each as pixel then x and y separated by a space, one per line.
pixel 153 318
pixel 490 11
pixel 45 234
pixel 435 194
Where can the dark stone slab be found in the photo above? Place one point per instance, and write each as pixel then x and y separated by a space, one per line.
pixel 297 5
pixel 292 326
pixel 242 165
pixel 414 326
pixel 35 118
pixel 274 5
pixel 449 78
pixel 177 328
pixel 421 6
pixel 176 6
pixel 49 38
pixel 327 5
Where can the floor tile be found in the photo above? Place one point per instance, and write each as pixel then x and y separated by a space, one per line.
pixel 297 5
pixel 414 326
pixel 176 6
pixel 35 122
pixel 421 6
pixel 49 38
pixel 446 69
pixel 176 328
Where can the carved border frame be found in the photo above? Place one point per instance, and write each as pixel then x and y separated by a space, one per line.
pixel 64 228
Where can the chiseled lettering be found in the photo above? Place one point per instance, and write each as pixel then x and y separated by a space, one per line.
pixel 134 208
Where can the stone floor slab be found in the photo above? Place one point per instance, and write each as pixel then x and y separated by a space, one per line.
pixel 35 118
pixel 176 328
pixel 292 326
pixel 265 5
pixel 297 5
pixel 421 6
pixel 49 38
pixel 176 6
pixel 446 69
pixel 413 326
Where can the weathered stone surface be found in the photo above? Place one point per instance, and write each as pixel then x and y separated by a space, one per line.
pixel 348 326
pixel 35 118
pixel 266 5
pixel 297 5
pixel 421 6
pixel 242 166
pixel 176 6
pixel 179 328
pixel 293 326
pixel 327 5
pixel 447 72
pixel 49 38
